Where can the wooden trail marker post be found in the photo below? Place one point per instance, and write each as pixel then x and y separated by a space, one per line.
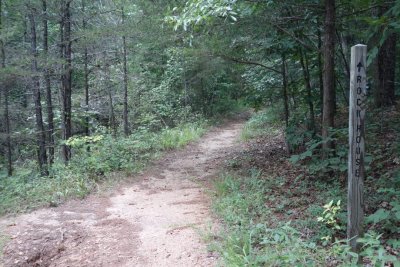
pixel 356 170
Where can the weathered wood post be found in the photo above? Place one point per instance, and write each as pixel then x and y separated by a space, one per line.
pixel 356 170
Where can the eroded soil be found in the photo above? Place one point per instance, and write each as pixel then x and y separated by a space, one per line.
pixel 156 221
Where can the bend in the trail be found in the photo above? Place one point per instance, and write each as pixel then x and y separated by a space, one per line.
pixel 154 222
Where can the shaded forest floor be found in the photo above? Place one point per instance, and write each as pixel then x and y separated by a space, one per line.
pixel 270 202
pixel 157 220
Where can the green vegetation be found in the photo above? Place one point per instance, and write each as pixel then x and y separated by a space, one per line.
pixel 287 214
pixel 254 237
pixel 178 137
pixel 92 90
pixel 263 228
pixel 261 124
pixel 96 159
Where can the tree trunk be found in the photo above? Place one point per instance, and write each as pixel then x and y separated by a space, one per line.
pixel 66 82
pixel 284 90
pixel 86 74
pixel 328 117
pixel 126 122
pixel 50 114
pixel 111 113
pixel 385 91
pixel 108 85
pixel 110 102
pixel 7 124
pixel 86 85
pixel 7 132
pixel 68 75
pixel 6 111
pixel 307 82
pixel 41 137
pixel 61 88
pixel 342 50
pixel 320 74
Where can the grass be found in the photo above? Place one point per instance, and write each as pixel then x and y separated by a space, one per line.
pixel 179 137
pixel 108 161
pixel 269 211
pixel 265 226
pixel 260 124
pixel 253 236
pixel 18 194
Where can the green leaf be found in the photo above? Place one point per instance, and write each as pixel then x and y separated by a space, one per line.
pixel 372 55
pixel 395 243
pixel 378 216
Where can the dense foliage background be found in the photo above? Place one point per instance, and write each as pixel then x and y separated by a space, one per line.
pixel 72 67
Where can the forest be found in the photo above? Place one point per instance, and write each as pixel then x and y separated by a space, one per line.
pixel 94 92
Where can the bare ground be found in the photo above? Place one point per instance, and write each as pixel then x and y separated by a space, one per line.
pixel 156 221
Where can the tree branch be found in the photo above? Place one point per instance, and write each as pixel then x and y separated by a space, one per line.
pixel 294 37
pixel 242 61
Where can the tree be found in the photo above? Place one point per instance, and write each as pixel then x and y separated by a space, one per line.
pixel 134 71
pixel 384 38
pixel 86 71
pixel 41 137
pixel 126 122
pixel 6 102
pixel 328 116
pixel 385 91
pixel 50 113
pixel 66 76
pixel 307 84
pixel 284 90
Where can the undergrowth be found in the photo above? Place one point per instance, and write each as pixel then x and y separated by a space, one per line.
pixel 261 123
pixel 260 229
pixel 96 159
pixel 253 235
pixel 292 212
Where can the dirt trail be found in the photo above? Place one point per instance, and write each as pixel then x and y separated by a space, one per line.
pixel 156 221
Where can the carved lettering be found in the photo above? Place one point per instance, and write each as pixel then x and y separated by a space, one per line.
pixel 359 102
pixel 359 79
pixel 358 139
pixel 359 90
